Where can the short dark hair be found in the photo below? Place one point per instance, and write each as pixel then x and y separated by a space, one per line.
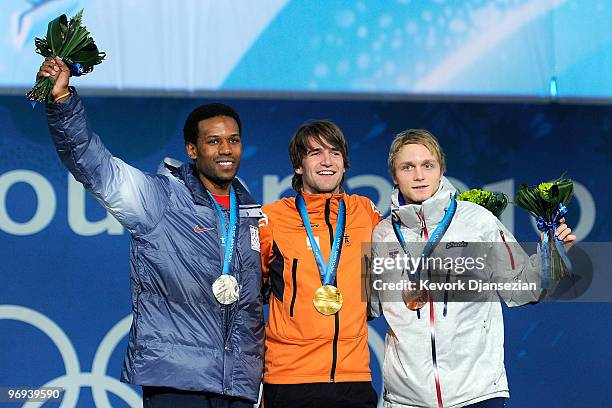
pixel 203 112
pixel 323 132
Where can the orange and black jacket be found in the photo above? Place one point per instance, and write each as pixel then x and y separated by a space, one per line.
pixel 302 345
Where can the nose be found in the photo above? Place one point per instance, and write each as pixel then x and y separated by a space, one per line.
pixel 225 148
pixel 418 173
pixel 326 158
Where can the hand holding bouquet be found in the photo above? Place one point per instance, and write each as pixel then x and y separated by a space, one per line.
pixel 73 44
pixel 494 202
pixel 547 203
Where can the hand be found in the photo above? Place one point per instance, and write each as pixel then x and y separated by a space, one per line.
pixel 58 70
pixel 563 232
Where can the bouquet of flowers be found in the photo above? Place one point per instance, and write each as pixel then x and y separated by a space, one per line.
pixel 72 42
pixel 494 202
pixel 547 203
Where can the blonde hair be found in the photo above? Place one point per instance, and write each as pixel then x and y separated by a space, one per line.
pixel 416 136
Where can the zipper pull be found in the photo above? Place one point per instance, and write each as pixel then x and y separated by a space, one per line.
pixel 424 233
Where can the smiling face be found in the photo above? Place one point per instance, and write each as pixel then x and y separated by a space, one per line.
pixel 322 169
pixel 417 173
pixel 217 153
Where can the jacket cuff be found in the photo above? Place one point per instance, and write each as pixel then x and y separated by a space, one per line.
pixel 61 111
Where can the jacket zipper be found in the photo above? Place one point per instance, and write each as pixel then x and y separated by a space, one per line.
pixel 432 321
pixel 501 233
pixel 294 278
pixel 332 375
pixel 424 233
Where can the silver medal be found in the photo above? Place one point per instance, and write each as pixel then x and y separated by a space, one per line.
pixel 225 289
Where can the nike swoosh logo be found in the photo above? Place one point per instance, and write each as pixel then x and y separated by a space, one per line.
pixel 197 228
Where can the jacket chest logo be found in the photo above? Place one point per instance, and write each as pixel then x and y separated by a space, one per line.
pixel 461 244
pixel 199 229
pixel 345 241
pixel 316 240
pixel 312 225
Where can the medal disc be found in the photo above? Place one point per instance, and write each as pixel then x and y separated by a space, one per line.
pixel 414 299
pixel 327 300
pixel 225 289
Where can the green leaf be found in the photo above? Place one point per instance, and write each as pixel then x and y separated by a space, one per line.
pixel 55 33
pixel 544 199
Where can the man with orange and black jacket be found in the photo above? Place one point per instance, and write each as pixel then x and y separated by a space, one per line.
pixel 311 246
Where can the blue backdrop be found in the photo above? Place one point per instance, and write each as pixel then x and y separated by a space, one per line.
pixel 65 280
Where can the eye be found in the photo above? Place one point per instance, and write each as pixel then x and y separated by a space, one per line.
pixel 336 153
pixel 407 167
pixel 212 141
pixel 235 140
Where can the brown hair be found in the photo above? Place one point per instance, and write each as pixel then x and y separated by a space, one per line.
pixel 323 132
pixel 416 136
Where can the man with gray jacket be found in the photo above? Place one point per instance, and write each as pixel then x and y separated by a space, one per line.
pixel 197 334
pixel 438 353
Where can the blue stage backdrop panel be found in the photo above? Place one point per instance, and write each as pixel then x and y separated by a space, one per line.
pixel 65 278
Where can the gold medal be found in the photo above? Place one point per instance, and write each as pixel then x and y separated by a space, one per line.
pixel 414 299
pixel 327 300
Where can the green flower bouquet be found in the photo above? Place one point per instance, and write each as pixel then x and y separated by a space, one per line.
pixel 547 203
pixel 494 202
pixel 71 41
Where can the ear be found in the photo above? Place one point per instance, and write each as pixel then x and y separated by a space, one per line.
pixel 395 183
pixel 192 150
pixel 299 170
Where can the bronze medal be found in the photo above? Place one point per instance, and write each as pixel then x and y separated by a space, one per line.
pixel 415 299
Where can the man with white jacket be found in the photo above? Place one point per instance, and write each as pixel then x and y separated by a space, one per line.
pixel 444 353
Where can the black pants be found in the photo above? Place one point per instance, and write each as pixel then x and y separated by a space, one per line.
pixel 490 403
pixel 162 397
pixel 320 395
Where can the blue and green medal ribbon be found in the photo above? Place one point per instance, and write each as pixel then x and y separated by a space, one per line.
pixel 327 272
pixel 227 234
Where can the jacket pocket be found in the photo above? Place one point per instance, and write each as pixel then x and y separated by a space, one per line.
pixel 294 282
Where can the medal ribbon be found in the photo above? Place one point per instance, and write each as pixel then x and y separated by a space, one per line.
pixel 326 272
pixel 434 238
pixel 227 235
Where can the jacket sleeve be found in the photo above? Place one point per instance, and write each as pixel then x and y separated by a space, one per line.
pixel 266 241
pixel 135 199
pixel 509 263
pixel 374 301
pixel 373 212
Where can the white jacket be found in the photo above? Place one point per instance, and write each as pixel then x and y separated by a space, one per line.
pixel 470 338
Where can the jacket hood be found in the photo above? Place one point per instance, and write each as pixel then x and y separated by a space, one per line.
pixel 431 210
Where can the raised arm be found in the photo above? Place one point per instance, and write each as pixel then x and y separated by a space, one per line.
pixel 136 199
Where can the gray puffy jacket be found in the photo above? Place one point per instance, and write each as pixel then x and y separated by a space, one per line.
pixel 181 336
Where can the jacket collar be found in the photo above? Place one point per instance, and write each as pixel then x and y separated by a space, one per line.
pixel 431 210
pixel 320 204
pixel 188 173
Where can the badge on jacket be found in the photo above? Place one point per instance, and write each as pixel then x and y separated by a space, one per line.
pixel 254 238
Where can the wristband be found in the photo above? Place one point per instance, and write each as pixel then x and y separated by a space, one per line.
pixel 62 96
